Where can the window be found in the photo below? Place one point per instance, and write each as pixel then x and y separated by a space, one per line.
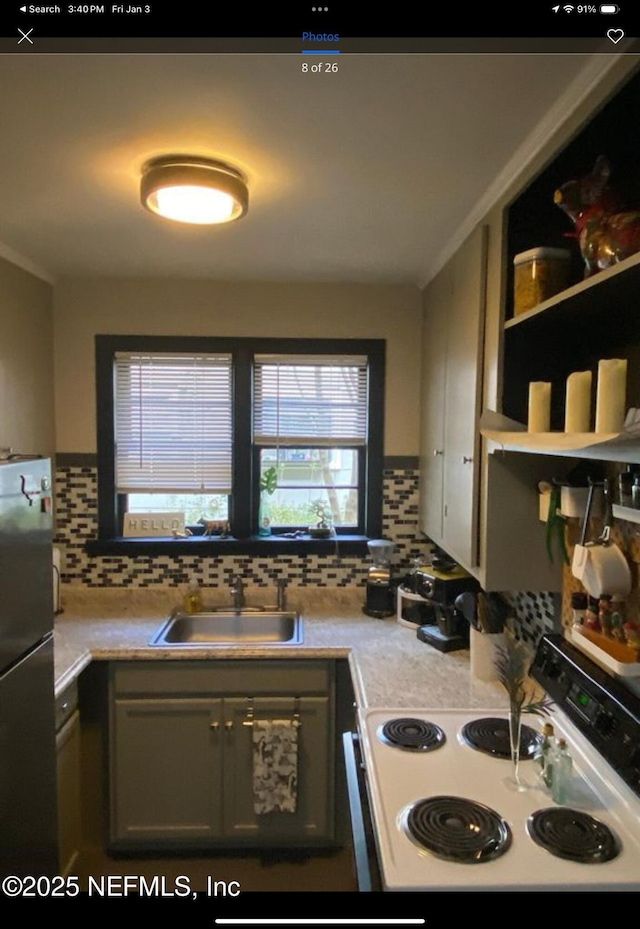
pixel 198 425
pixel 173 432
pixel 310 429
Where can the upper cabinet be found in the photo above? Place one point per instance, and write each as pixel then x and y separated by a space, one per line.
pixel 595 317
pixel 450 402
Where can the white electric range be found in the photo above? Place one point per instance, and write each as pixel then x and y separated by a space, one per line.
pixel 445 816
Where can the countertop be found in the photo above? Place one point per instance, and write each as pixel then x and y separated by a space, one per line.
pixel 390 666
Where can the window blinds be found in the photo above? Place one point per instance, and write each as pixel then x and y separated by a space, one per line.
pixel 173 423
pixel 310 400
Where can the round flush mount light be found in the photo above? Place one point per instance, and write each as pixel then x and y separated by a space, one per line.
pixel 196 190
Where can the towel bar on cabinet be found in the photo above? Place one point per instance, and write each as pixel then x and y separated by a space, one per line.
pixel 250 715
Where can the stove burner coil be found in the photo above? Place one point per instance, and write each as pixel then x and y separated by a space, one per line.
pixel 417 734
pixel 573 835
pixel 491 736
pixel 457 829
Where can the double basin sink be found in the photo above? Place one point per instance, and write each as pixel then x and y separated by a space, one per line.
pixel 225 626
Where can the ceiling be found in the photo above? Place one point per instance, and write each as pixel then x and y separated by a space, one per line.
pixel 366 175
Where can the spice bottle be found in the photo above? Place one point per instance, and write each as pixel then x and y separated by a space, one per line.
pixel 635 493
pixel 544 754
pixel 578 608
pixel 604 614
pixel 562 768
pixel 625 488
pixel 591 616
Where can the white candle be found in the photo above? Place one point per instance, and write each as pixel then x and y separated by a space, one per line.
pixel 577 411
pixel 611 394
pixel 539 406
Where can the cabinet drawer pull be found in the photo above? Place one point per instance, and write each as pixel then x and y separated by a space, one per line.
pixel 466 459
pixel 228 725
pixel 438 451
pixel 215 725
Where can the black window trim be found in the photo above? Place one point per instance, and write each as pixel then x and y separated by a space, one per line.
pixel 245 506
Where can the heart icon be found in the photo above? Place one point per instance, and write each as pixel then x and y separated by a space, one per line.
pixel 615 35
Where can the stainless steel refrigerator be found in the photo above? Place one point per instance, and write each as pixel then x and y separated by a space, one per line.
pixel 28 795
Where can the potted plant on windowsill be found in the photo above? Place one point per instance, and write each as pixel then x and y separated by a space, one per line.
pixel 322 529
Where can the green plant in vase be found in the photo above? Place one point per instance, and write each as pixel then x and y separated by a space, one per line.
pixel 512 670
pixel 268 485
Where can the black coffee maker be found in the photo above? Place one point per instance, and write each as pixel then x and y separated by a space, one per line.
pixel 442 586
pixel 381 586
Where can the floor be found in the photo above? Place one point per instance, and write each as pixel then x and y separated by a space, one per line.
pixel 330 871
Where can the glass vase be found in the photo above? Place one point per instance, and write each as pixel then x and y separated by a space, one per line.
pixel 514 780
pixel 264 516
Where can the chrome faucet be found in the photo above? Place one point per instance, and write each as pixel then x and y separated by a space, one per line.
pixel 237 591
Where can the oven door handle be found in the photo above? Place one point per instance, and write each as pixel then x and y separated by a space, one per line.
pixel 361 825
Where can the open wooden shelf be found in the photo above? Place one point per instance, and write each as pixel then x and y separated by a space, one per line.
pixel 614 656
pixel 603 446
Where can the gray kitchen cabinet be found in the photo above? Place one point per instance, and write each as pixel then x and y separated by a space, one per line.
pixel 312 819
pixel 450 401
pixel 181 753
pixel 166 772
pixel 432 405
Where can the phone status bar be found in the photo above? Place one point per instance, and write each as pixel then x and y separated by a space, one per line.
pixel 159 26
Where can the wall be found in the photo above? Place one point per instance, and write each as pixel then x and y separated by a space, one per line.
pixel 89 306
pixel 26 362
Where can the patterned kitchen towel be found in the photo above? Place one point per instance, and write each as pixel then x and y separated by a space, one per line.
pixel 275 765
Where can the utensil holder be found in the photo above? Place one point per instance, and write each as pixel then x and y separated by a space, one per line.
pixel 484 651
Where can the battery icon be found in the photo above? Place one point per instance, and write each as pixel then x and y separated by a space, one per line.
pixel 609 8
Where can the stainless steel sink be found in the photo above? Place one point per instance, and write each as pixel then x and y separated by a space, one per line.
pixel 248 626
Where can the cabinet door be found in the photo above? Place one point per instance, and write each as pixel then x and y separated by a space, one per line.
pixel 433 398
pixel 312 822
pixel 69 796
pixel 165 771
pixel 463 399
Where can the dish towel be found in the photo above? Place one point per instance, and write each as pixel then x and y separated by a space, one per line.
pixel 275 765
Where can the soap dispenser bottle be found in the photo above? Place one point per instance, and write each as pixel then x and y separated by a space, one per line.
pixel 193 597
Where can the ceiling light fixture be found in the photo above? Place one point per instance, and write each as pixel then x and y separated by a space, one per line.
pixel 189 189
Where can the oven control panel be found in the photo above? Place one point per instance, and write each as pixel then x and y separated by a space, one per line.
pixel 604 710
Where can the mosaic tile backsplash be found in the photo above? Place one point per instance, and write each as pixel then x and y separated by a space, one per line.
pixel 76 522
